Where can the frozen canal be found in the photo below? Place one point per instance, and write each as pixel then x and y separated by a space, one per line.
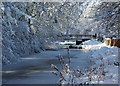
pixel 36 69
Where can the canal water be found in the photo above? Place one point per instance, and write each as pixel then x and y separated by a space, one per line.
pixel 36 69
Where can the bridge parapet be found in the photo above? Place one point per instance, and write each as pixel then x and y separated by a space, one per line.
pixel 77 35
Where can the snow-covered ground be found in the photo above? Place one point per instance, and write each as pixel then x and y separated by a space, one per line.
pixel 103 66
pixel 106 57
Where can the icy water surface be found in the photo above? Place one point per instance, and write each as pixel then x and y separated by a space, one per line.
pixel 36 69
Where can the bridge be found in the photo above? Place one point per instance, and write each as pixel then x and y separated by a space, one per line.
pixel 76 36
pixel 79 38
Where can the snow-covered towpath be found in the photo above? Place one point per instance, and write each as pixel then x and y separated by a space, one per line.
pixel 36 69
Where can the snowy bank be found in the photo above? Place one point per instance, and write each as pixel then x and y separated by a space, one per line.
pixel 103 66
pixel 105 57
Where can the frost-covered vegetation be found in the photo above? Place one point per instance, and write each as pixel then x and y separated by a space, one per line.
pixel 27 27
